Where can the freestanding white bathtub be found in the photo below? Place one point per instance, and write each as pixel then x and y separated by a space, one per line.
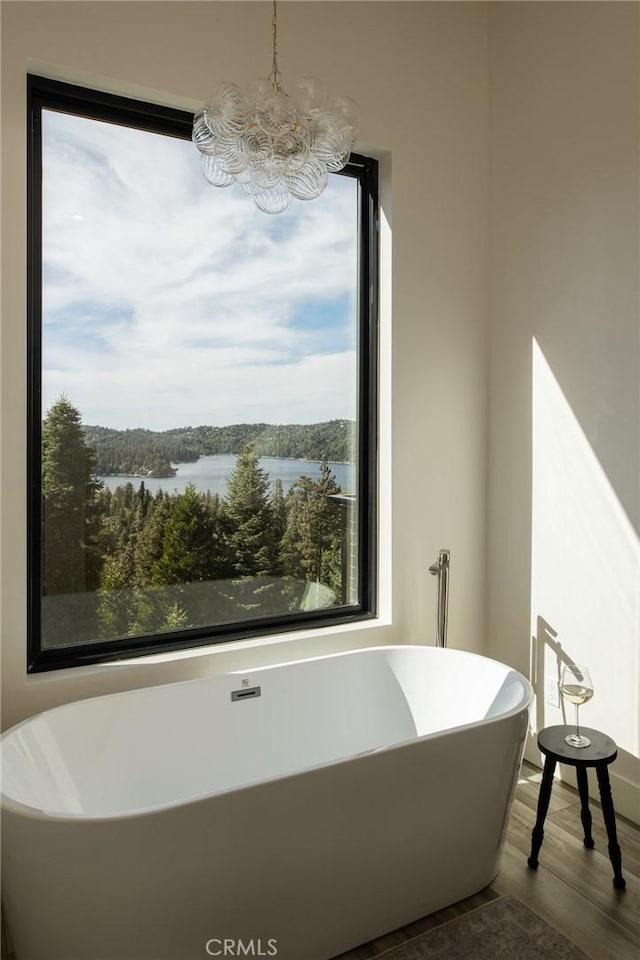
pixel 333 800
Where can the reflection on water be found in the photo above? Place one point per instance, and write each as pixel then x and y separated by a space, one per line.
pixel 213 473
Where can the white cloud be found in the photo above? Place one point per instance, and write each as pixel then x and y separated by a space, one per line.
pixel 216 387
pixel 169 302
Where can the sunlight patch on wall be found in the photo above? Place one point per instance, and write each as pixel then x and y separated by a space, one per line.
pixel 585 572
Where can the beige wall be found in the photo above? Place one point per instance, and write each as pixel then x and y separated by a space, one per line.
pixel 420 74
pixel 564 451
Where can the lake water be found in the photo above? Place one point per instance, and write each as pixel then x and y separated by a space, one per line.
pixel 213 473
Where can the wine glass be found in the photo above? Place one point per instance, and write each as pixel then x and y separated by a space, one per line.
pixel 576 686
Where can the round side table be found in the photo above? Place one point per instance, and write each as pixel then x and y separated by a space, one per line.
pixel 600 754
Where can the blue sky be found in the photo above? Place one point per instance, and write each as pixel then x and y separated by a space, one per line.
pixel 168 302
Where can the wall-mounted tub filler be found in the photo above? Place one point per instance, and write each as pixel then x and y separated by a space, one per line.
pixel 440 569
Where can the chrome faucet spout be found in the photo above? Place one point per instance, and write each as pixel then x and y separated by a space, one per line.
pixel 440 569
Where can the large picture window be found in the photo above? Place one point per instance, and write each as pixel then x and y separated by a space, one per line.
pixel 202 423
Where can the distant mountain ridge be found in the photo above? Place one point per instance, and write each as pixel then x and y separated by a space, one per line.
pixel 141 452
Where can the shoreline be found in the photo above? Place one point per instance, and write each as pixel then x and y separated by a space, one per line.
pixel 180 477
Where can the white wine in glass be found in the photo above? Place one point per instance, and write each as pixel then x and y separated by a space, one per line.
pixel 576 686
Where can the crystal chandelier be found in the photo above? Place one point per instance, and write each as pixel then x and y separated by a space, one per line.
pixel 276 145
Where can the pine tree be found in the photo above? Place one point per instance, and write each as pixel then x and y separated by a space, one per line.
pixel 278 510
pixel 252 534
pixel 115 597
pixel 150 541
pixel 311 543
pixel 70 515
pixel 188 554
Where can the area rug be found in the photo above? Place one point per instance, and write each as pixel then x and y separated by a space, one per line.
pixel 503 929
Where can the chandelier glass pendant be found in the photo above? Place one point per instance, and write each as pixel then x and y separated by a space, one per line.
pixel 276 145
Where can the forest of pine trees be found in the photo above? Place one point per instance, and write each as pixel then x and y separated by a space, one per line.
pixel 150 453
pixel 125 562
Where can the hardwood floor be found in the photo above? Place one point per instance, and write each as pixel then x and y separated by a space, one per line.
pixel 571 889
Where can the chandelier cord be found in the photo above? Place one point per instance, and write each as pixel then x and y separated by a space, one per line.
pixel 276 79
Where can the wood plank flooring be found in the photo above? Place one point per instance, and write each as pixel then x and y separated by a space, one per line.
pixel 571 889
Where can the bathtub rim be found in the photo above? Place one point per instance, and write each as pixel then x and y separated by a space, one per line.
pixel 10 805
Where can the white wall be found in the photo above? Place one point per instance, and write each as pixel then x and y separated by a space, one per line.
pixel 420 74
pixel 564 450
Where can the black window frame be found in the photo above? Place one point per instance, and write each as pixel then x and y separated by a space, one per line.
pixel 44 93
